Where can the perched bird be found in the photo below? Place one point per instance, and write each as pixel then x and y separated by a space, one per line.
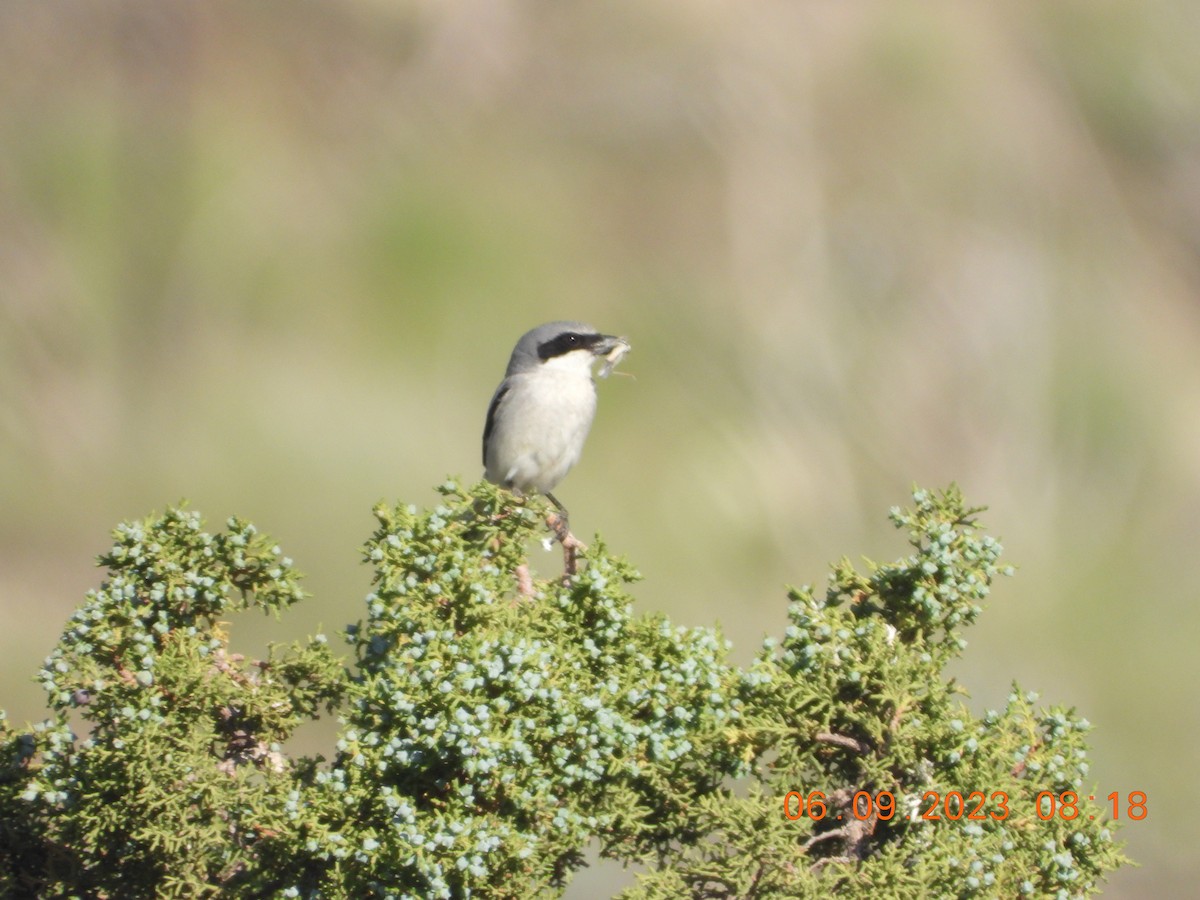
pixel 541 412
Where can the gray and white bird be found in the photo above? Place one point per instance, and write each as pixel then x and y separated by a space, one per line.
pixel 541 412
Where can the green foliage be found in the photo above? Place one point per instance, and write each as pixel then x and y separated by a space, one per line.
pixel 178 788
pixel 494 724
pixel 853 699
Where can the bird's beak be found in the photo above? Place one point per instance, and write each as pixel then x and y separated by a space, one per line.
pixel 608 343
pixel 612 350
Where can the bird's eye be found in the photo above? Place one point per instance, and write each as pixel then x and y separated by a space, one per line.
pixel 562 343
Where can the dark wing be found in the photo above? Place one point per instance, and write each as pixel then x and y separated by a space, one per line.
pixel 491 416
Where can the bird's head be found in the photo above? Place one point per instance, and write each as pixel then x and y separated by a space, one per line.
pixel 566 346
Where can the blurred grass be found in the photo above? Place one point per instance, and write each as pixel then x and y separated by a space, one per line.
pixel 272 258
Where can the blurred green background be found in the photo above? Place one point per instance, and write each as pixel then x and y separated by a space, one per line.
pixel 272 257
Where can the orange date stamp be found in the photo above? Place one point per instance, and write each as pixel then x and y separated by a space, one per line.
pixel 933 806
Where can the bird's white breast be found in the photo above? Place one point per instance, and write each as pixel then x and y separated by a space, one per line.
pixel 540 426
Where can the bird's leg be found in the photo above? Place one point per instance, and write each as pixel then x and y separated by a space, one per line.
pixel 558 521
pixel 571 545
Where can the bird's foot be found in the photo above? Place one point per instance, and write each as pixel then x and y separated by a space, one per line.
pixel 571 545
pixel 557 522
